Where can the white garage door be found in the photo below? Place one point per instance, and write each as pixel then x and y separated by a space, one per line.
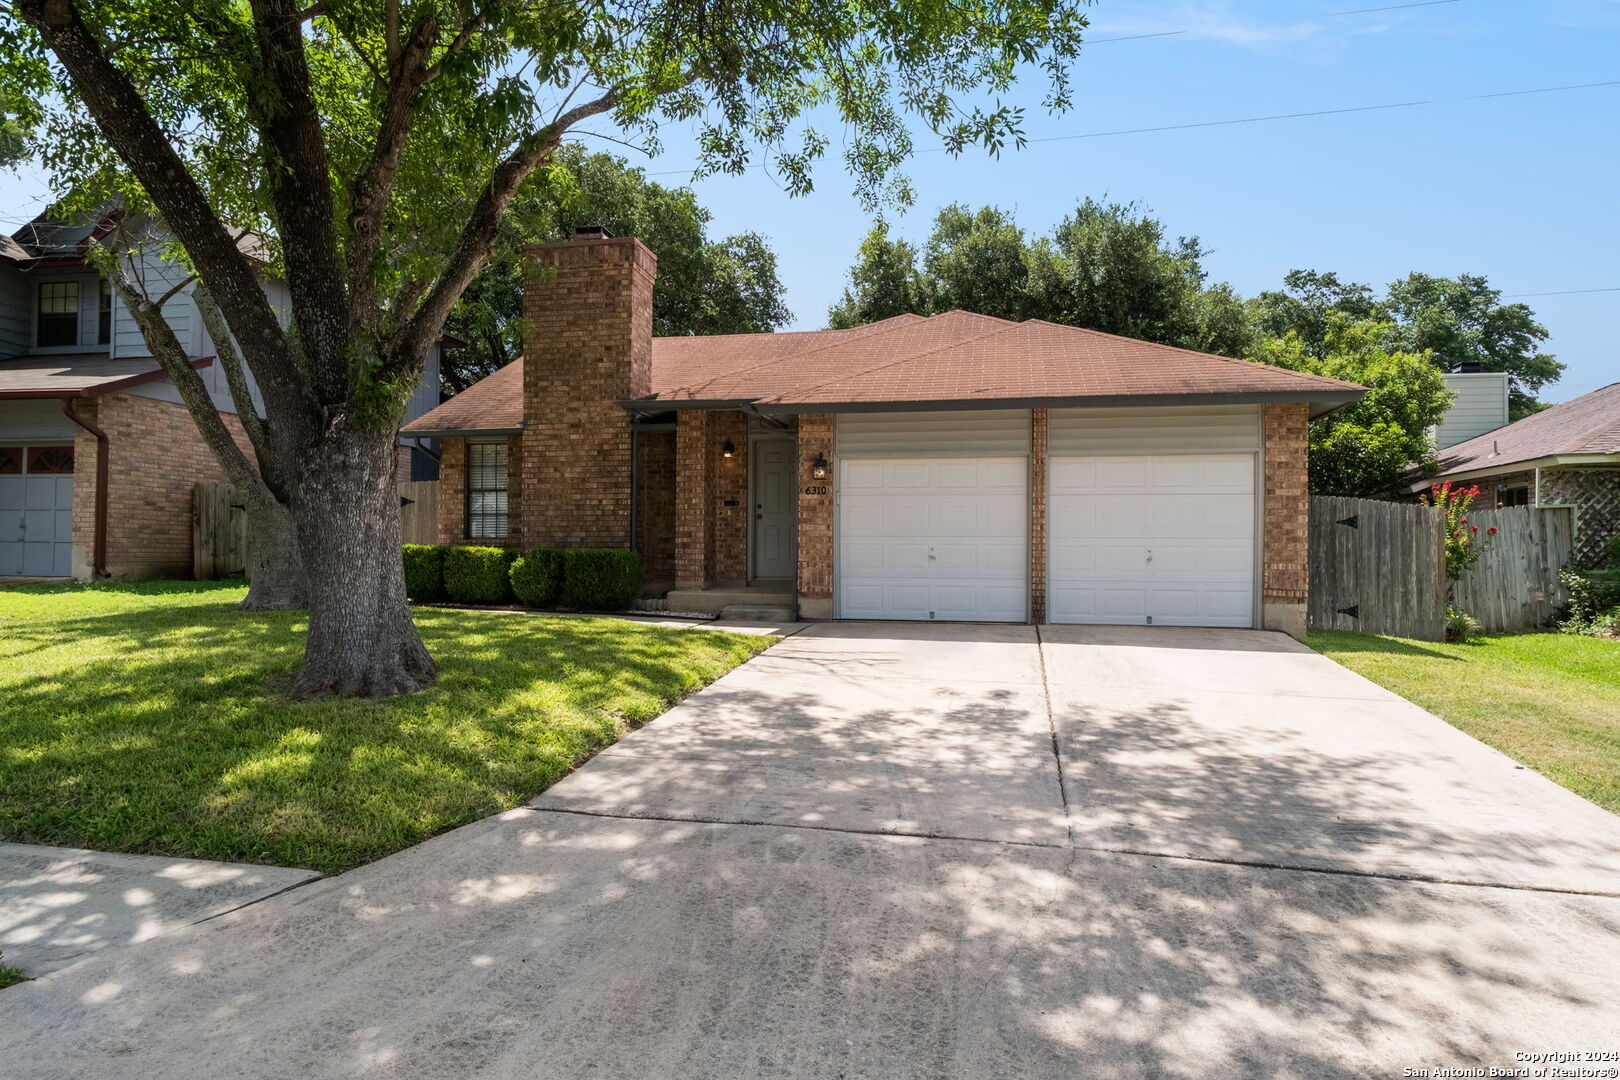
pixel 943 538
pixel 1166 540
pixel 36 511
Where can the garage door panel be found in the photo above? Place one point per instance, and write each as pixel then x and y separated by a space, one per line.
pixel 1167 539
pixel 860 476
pixel 953 533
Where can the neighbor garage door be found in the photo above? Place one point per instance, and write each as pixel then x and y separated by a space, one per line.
pixel 1163 538
pixel 36 510
pixel 933 517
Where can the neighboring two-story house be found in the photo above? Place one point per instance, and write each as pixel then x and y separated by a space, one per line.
pixel 98 457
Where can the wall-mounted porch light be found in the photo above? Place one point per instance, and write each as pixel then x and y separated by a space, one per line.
pixel 818 467
pixel 728 449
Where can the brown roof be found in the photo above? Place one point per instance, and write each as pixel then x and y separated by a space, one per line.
pixel 1589 424
pixel 957 360
pixel 77 374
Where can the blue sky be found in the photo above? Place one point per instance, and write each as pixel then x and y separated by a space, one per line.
pixel 1521 189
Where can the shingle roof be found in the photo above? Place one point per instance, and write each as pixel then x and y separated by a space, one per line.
pixel 956 358
pixel 1589 424
pixel 77 374
pixel 493 403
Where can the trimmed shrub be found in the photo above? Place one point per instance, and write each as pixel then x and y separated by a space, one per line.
pixel 424 572
pixel 478 575
pixel 537 577
pixel 600 579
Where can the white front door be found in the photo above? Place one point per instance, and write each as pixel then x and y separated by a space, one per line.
pixel 36 511
pixel 1166 540
pixel 771 528
pixel 933 538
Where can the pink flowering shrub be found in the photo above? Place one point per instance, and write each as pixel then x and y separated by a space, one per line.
pixel 1464 542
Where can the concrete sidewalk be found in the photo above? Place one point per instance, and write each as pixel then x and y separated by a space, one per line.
pixel 58 905
pixel 896 851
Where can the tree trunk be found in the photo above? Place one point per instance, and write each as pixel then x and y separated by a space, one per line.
pixel 345 504
pixel 275 564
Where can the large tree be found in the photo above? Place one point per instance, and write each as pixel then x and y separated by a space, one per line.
pixel 1107 266
pixel 1459 322
pixel 1368 447
pixel 705 286
pixel 1462 322
pixel 375 147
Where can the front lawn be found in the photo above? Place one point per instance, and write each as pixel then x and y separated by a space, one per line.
pixel 138 718
pixel 1550 701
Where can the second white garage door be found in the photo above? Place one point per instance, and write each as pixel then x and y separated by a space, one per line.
pixel 1165 540
pixel 943 538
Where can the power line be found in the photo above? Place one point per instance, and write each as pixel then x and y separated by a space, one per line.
pixel 1264 119
pixel 1324 15
pixel 1560 292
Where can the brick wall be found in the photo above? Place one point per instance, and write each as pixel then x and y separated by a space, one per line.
pixel 453 494
pixel 729 534
pixel 1285 573
pixel 452 491
pixel 1037 518
pixel 692 499
pixel 587 306
pixel 655 517
pixel 155 456
pixel 815 581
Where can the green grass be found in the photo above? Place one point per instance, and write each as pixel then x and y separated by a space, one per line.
pixel 9 976
pixel 1550 701
pixel 144 718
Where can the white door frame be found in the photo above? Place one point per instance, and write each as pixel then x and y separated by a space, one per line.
pixel 789 439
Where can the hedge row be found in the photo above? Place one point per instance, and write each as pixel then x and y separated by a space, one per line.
pixel 591 579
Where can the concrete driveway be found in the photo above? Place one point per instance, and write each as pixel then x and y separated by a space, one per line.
pixel 926 851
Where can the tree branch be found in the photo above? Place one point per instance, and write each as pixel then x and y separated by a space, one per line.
pixel 479 234
pixel 171 357
pixel 301 191
pixel 226 355
pixel 129 127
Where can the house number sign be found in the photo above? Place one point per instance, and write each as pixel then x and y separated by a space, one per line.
pixel 815 489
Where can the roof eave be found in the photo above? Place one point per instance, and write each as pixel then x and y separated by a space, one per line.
pixel 1496 468
pixel 457 433
pixel 98 389
pixel 1322 401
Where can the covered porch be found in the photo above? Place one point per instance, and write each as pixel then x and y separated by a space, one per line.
pixel 717 511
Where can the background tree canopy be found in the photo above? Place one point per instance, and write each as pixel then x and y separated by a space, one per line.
pixel 1107 266
pixel 1368 447
pixel 704 286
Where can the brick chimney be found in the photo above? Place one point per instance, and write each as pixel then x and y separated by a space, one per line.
pixel 587 345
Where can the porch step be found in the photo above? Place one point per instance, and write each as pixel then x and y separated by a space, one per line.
pixel 757 613
pixel 718 598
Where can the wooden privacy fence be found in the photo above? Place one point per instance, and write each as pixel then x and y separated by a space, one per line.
pixel 1379 567
pixel 1515 585
pixel 219 536
pixel 419 512
pixel 218 532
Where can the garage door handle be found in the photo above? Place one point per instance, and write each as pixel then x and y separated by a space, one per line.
pixel 1150 555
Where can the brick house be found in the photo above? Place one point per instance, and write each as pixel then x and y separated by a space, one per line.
pixel 1568 455
pixel 81 396
pixel 957 467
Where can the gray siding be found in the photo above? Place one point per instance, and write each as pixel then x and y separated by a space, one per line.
pixel 34 420
pixel 1197 429
pixel 1481 406
pixel 16 306
pixel 974 433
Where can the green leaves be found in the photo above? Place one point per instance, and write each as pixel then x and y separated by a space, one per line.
pixel 1366 448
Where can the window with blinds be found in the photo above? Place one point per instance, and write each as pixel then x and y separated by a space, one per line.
pixel 486 491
